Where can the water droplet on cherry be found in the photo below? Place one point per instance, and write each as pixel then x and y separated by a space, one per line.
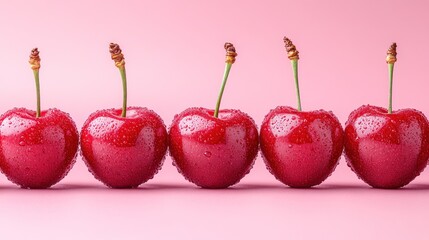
pixel 207 154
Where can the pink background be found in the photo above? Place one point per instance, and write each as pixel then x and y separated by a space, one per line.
pixel 175 59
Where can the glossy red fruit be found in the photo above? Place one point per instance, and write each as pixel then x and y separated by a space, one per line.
pixel 301 149
pixel 213 152
pixel 387 150
pixel 124 152
pixel 37 152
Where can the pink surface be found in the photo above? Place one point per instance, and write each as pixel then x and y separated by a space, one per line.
pixel 174 54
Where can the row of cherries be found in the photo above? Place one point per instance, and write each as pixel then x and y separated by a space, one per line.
pixel 125 147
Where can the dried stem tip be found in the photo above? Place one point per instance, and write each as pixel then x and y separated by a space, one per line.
pixel 292 53
pixel 34 59
pixel 230 53
pixel 391 54
pixel 117 55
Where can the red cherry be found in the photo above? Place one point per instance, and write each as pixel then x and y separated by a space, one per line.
pixel 213 152
pixel 301 149
pixel 37 152
pixel 124 152
pixel 387 150
pixel 125 147
pixel 214 149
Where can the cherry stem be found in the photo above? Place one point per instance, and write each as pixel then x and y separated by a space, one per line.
pixel 295 75
pixel 124 91
pixel 391 65
pixel 225 78
pixel 36 78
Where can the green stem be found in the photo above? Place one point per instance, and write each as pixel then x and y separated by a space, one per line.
pixel 391 86
pixel 225 78
pixel 124 91
pixel 295 75
pixel 36 78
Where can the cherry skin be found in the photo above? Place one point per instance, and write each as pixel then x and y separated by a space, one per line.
pixel 37 152
pixel 124 152
pixel 387 150
pixel 301 149
pixel 213 152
